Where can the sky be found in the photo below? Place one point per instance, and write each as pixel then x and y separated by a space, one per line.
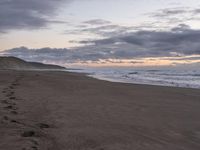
pixel 134 33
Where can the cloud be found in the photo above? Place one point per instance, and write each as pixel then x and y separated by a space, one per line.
pixel 162 19
pixel 169 12
pixel 27 14
pixel 97 22
pixel 196 11
pixel 107 30
pixel 181 41
pixel 176 15
pixel 101 28
pixel 59 56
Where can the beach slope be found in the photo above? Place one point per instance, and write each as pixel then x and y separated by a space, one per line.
pixel 68 111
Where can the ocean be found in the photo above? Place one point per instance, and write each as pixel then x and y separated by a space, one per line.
pixel 163 77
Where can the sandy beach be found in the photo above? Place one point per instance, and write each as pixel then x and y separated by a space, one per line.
pixel 69 111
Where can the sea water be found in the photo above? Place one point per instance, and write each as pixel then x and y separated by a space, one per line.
pixel 163 77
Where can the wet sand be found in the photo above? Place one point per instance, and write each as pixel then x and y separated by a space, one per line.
pixel 68 111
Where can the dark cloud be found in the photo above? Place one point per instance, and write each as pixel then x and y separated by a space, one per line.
pixel 196 11
pixel 27 14
pixel 59 56
pixel 184 41
pixel 179 41
pixel 181 27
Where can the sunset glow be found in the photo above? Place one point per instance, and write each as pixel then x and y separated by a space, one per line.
pixel 102 33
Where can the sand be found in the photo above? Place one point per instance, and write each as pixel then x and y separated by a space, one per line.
pixel 68 111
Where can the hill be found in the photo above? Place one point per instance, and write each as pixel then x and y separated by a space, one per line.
pixel 19 64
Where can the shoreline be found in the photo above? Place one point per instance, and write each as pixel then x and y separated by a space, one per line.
pixel 102 78
pixel 144 84
pixel 88 75
pixel 63 110
pixel 147 77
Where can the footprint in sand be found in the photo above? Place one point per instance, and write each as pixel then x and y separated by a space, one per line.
pixel 10 107
pixel 15 84
pixel 11 87
pixel 34 147
pixel 28 134
pixel 5 102
pixel 12 98
pixel 43 126
pixel 34 142
pixel 9 94
pixel 5 118
pixel 10 104
pixel 3 91
pixel 14 112
pixel 12 93
pixel 14 121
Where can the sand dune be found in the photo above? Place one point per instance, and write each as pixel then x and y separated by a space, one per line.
pixel 16 63
pixel 68 111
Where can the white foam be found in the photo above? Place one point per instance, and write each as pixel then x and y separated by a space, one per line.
pixel 176 78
